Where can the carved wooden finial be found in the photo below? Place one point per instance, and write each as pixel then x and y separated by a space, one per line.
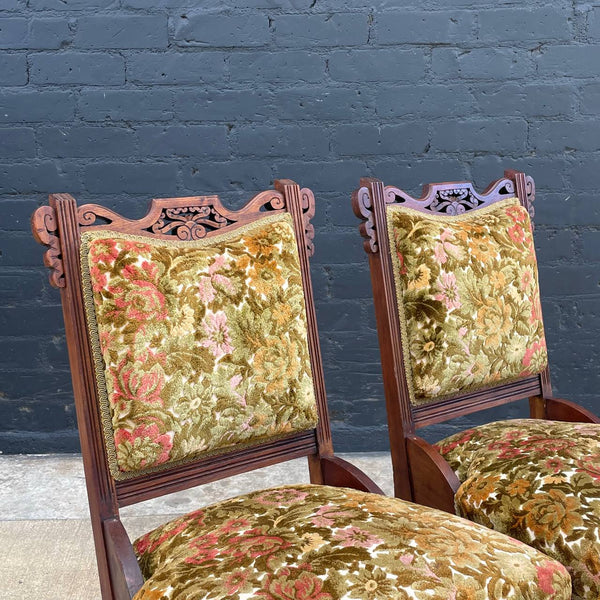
pixel 45 228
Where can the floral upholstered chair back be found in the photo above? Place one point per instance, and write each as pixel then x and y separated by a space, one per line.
pixel 466 289
pixel 198 328
pixel 468 297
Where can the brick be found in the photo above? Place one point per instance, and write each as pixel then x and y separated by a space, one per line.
pixel 338 316
pixel 570 61
pixel 153 178
pixel 370 139
pixel 41 417
pixel 543 100
pixel 77 68
pixel 16 142
pixel 590 99
pixel 337 29
pixel 396 65
pixel 553 246
pixel 20 286
pixel 517 24
pixel 481 63
pixel 70 5
pixel 175 68
pixel 590 241
pixel 424 27
pixel 284 140
pixel 323 176
pixel 584 174
pixel 561 209
pixel 423 100
pixel 11 5
pixel 13 69
pixel 288 66
pixel 49 34
pixel 339 247
pixel 20 354
pixel 16 213
pixel 17 249
pixel 183 141
pixel 351 281
pixel 37 176
pixel 218 105
pixel 569 280
pixel 84 141
pixel 322 104
pixel 561 136
pixel 123 31
pixel 222 30
pixel 480 135
pixel 30 442
pixel 13 32
pixel 210 177
pixel 126 105
pixel 23 321
pixel 594 23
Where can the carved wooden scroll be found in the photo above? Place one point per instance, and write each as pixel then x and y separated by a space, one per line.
pixel 308 212
pixel 45 231
pixel 451 198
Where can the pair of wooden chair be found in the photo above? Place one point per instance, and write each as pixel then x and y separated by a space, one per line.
pixel 195 356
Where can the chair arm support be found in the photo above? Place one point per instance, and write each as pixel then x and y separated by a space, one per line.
pixel 125 575
pixel 558 409
pixel 340 473
pixel 434 483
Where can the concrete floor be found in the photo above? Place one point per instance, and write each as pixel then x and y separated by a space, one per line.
pixel 46 549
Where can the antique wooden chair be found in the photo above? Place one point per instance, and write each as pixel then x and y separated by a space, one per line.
pixel 194 354
pixel 460 329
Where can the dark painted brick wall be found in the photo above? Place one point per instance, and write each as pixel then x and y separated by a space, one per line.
pixel 120 100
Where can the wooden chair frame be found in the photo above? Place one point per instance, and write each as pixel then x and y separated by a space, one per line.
pixel 420 472
pixel 59 226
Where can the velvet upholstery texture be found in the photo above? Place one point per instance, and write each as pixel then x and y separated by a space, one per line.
pixel 312 542
pixel 468 298
pixel 199 345
pixel 539 482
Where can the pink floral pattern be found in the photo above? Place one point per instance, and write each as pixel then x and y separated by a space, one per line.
pixel 200 345
pixel 468 298
pixel 538 481
pixel 369 547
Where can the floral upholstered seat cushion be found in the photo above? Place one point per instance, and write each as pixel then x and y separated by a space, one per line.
pixel 311 542
pixel 468 298
pixel 199 345
pixel 537 481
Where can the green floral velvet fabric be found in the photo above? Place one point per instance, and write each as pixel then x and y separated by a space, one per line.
pixel 199 345
pixel 310 542
pixel 539 482
pixel 468 298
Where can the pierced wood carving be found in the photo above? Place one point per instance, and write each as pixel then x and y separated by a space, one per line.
pixel 190 218
pixel 45 228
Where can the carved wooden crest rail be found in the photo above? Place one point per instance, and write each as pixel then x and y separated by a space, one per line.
pixel 189 218
pixel 452 198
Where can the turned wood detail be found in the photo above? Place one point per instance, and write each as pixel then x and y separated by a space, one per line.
pixel 45 231
pixel 454 198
